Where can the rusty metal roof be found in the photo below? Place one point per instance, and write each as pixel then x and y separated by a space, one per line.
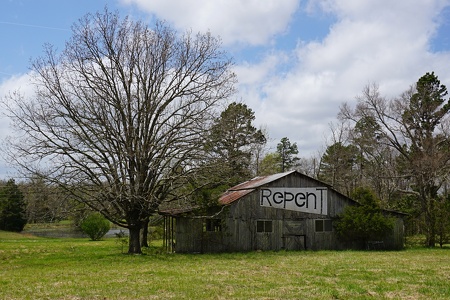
pixel 242 189
pixel 232 194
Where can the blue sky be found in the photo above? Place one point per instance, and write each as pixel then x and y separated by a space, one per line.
pixel 296 61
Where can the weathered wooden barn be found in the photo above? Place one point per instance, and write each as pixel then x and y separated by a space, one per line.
pixel 288 211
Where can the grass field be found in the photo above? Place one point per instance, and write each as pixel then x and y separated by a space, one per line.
pixel 44 268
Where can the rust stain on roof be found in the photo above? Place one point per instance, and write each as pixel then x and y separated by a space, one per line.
pixel 242 189
pixel 231 196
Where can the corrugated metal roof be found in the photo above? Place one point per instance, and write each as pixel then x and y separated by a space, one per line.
pixel 242 189
pixel 231 196
pixel 177 211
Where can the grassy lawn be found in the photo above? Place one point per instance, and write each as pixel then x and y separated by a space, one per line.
pixel 44 268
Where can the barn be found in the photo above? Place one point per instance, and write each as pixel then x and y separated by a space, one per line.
pixel 285 211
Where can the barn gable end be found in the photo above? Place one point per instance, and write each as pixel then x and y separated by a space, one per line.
pixel 271 213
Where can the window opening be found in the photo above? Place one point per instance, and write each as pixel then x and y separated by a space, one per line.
pixel 324 225
pixel 213 225
pixel 263 226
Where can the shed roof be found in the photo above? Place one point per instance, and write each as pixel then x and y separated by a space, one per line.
pixel 177 210
pixel 242 189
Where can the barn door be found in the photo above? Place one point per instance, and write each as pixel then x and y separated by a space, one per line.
pixel 263 242
pixel 294 237
pixel 264 234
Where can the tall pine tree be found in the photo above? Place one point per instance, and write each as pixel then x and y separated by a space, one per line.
pixel 287 152
pixel 228 152
pixel 12 208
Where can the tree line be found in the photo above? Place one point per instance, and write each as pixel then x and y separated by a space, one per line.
pixel 130 120
pixel 400 149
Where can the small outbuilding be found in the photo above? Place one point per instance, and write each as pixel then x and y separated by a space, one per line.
pixel 285 211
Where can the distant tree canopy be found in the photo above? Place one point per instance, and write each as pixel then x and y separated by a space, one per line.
pixel 119 117
pixel 47 203
pixel 270 164
pixel 12 207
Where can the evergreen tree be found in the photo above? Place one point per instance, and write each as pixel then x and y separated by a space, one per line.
pixel 231 142
pixel 287 152
pixel 228 152
pixel 338 167
pixel 12 208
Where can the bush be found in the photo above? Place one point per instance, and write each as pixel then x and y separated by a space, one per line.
pixel 364 222
pixel 95 226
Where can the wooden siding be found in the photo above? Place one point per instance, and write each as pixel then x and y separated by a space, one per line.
pixel 290 230
pixel 395 241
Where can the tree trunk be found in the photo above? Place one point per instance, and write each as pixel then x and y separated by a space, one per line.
pixel 430 224
pixel 134 245
pixel 144 241
pixel 431 229
pixel 431 238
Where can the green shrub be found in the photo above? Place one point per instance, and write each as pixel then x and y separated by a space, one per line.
pixel 95 226
pixel 364 222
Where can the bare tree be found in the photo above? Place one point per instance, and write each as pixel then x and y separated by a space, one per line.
pixel 119 116
pixel 416 126
pixel 378 163
pixel 46 203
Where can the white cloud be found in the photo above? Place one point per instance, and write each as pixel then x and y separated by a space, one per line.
pixel 15 83
pixel 235 21
pixel 19 84
pixel 387 42
pixel 297 92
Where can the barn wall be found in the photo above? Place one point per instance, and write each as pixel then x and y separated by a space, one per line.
pixel 191 237
pixel 188 235
pixel 395 241
pixel 291 230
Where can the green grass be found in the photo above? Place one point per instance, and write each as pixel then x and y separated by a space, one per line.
pixel 43 268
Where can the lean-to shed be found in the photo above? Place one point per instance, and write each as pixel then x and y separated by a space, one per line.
pixel 288 211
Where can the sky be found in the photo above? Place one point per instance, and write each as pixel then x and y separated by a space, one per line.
pixel 296 61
